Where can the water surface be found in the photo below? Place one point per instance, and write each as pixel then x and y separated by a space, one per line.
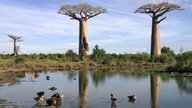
pixel 92 89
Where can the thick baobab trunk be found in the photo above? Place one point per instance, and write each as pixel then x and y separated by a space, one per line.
pixel 155 39
pixel 83 39
pixel 15 49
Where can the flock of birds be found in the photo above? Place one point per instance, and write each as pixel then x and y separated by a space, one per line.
pixel 56 99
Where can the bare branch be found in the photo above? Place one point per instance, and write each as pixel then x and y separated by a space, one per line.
pixel 80 11
pixel 161 19
pixel 16 38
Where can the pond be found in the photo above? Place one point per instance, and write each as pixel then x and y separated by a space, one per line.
pixel 93 88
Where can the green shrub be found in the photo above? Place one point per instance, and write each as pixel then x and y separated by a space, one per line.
pixel 165 58
pixel 19 59
pixel 72 56
pixel 98 54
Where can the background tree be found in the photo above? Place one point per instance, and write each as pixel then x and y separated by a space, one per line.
pixel 15 40
pixel 82 12
pixel 156 11
pixel 98 54
pixel 71 56
pixel 167 51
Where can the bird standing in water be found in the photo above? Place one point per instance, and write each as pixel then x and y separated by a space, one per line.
pixel 42 93
pixel 113 100
pixel 58 96
pixel 51 101
pixel 39 99
pixel 41 96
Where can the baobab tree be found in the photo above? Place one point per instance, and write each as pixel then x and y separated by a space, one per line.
pixel 156 12
pixel 81 13
pixel 15 40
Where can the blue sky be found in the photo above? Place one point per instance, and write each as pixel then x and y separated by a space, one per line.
pixel 118 31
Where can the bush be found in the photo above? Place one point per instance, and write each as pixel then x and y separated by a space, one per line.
pixel 98 54
pixel 72 56
pixel 165 58
pixel 19 59
pixel 140 57
pixel 108 60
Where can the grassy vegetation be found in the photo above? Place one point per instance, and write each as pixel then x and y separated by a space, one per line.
pixel 98 59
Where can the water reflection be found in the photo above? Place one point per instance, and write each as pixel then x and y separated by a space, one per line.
pixel 98 77
pixel 113 105
pixel 11 78
pixel 83 87
pixel 132 101
pixel 184 84
pixel 146 86
pixel 155 80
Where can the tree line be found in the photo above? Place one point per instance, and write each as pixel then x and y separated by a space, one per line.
pixel 181 62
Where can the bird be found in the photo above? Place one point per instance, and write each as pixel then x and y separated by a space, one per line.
pixel 113 100
pixel 32 78
pixel 51 101
pixel 53 88
pixel 62 95
pixel 132 97
pixel 58 96
pixel 39 99
pixel 40 94
pixel 48 77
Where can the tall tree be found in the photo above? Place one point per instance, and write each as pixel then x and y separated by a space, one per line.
pixel 15 40
pixel 156 11
pixel 82 12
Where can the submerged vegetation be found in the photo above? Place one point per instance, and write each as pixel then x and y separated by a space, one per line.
pixel 168 61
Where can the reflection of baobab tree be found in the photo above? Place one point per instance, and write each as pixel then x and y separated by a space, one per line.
pixel 184 84
pixel 155 89
pixel 83 87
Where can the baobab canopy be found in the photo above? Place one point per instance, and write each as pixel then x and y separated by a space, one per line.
pixel 158 9
pixel 80 11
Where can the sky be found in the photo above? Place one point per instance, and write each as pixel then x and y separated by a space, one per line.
pixel 119 31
